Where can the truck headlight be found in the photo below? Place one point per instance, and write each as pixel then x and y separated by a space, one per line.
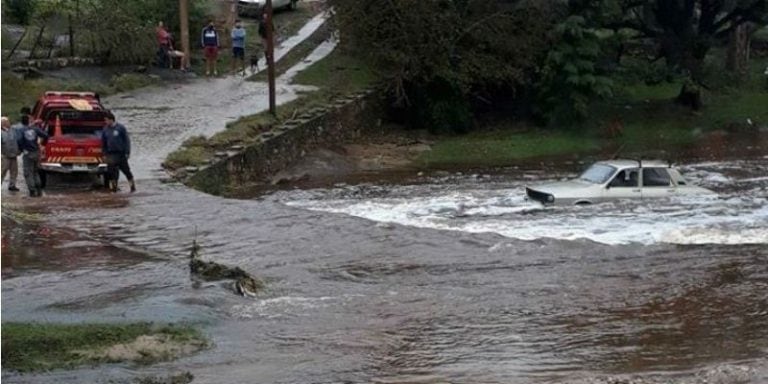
pixel 550 198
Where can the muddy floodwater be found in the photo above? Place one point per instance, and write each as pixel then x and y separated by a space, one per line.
pixel 443 278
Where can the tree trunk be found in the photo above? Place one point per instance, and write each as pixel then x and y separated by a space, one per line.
pixel 690 96
pixel 71 37
pixel 37 41
pixel 738 50
pixel 231 18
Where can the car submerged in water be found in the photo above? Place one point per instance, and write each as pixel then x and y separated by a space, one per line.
pixel 614 180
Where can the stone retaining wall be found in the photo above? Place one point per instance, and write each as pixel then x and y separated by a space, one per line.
pixel 343 119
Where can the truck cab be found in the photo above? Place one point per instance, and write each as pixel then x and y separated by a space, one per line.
pixel 73 121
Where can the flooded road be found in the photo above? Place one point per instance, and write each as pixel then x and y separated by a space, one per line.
pixel 451 279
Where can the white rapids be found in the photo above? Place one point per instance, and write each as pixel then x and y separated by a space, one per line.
pixel 739 215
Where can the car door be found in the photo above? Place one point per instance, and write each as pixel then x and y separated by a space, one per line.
pixel 657 183
pixel 625 185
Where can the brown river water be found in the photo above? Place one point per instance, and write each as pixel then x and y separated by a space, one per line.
pixel 438 279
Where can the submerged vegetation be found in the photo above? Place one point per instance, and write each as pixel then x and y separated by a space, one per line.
pixel 39 346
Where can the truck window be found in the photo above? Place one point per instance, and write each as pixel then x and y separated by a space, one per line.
pixel 655 177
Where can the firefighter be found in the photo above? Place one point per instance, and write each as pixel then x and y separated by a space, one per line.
pixel 116 146
pixel 30 149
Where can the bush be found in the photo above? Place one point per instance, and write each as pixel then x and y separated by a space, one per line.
pixel 20 11
pixel 570 79
pixel 438 106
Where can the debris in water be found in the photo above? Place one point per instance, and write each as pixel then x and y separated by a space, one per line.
pixel 245 284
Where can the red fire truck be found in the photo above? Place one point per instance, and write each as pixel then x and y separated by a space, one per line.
pixel 74 121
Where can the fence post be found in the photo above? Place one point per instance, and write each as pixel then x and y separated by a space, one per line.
pixel 37 42
pixel 13 50
pixel 71 37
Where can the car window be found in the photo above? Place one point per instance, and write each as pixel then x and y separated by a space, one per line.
pixel 598 173
pixel 655 177
pixel 627 178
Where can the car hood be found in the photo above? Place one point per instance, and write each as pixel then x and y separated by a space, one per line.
pixel 560 188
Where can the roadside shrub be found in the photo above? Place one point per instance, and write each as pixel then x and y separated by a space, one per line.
pixel 438 106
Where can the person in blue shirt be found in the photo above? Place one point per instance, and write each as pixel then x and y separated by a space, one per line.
pixel 30 148
pixel 116 147
pixel 238 46
pixel 209 39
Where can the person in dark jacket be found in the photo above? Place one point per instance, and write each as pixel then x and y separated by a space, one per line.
pixel 116 146
pixel 30 148
pixel 209 39
pixel 36 123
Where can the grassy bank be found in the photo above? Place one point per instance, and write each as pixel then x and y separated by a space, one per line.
pixel 38 347
pixel 337 74
pixel 297 54
pixel 17 92
pixel 651 123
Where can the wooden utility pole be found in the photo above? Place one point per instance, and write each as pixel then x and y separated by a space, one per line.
pixel 231 18
pixel 184 22
pixel 270 58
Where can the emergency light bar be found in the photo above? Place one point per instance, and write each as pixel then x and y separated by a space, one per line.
pixel 74 94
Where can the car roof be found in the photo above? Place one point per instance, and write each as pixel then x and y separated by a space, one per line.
pixel 624 163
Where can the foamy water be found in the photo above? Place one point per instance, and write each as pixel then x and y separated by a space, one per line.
pixel 739 215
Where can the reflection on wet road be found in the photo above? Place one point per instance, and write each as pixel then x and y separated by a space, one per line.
pixel 449 280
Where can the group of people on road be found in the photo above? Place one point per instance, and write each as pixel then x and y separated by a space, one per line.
pixel 209 40
pixel 26 137
pixel 210 44
pixel 23 139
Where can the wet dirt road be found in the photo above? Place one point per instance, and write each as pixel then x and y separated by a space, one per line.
pixel 446 279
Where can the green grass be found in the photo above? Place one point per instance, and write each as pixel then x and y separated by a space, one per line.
pixel 652 122
pixel 503 148
pixel 339 72
pixel 297 54
pixel 194 155
pixel 17 92
pixel 38 346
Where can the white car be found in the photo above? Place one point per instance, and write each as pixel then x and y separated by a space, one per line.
pixel 253 7
pixel 616 179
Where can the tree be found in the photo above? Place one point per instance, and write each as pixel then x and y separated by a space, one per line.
pixel 436 54
pixel 570 77
pixel 686 30
pixel 20 11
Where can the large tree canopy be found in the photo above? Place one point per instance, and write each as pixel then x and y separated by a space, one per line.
pixel 685 30
pixel 469 42
pixel 437 53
